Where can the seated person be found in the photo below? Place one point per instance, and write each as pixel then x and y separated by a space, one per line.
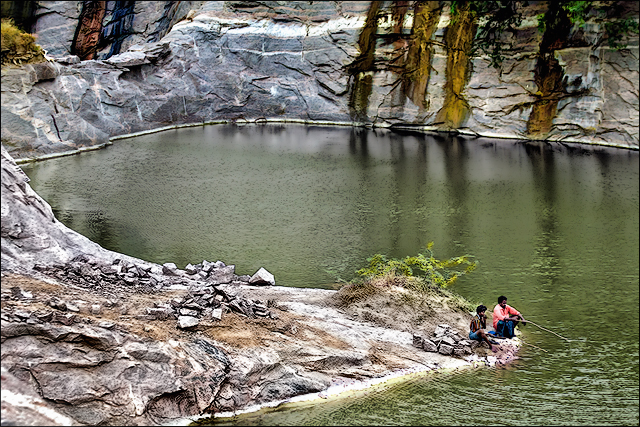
pixel 505 318
pixel 478 325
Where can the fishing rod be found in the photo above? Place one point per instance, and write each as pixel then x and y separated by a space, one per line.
pixel 545 329
pixel 535 346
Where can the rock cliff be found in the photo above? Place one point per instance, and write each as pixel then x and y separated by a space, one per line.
pixel 398 64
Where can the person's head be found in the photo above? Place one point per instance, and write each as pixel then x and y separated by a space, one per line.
pixel 481 309
pixel 502 301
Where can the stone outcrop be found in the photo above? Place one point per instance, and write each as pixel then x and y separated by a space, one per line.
pixel 99 359
pixel 95 337
pixel 104 28
pixel 319 62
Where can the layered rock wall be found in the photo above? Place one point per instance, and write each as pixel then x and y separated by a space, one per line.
pixel 402 64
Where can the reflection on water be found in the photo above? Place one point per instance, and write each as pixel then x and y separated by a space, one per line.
pixel 554 228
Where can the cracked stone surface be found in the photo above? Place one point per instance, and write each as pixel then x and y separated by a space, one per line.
pixel 230 61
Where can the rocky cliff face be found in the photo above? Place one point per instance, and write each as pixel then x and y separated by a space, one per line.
pixel 375 63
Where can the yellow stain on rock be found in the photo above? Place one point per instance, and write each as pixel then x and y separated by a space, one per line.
pixel 418 63
pixel 458 40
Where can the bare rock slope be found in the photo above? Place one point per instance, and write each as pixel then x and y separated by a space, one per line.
pixel 101 338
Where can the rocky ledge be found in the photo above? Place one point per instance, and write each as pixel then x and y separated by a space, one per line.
pixel 94 337
pixel 146 357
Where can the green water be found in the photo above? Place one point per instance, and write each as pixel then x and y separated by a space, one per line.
pixel 554 227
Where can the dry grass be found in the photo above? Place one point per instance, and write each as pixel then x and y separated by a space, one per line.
pixel 404 303
pixel 18 47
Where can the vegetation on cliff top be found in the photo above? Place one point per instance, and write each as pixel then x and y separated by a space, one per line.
pixel 18 47
pixel 499 17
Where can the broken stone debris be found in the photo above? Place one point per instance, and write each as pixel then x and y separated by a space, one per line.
pixel 262 277
pixel 445 341
pixel 205 302
pixel 104 277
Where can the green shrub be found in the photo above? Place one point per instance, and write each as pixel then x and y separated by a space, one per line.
pixel 417 292
pixel 431 270
pixel 17 46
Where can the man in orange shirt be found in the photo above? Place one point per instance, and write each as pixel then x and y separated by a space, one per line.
pixel 505 318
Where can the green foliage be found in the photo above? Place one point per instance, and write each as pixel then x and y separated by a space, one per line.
pixel 18 46
pixel 542 23
pixel 618 30
pixel 577 11
pixel 616 27
pixel 381 291
pixel 496 17
pixel 425 266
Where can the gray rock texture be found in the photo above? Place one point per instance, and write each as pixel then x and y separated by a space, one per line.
pixel 294 61
pixel 57 22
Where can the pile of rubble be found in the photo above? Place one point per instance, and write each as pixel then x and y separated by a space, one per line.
pixel 106 278
pixel 198 304
pixel 205 303
pixel 447 341
pixel 103 277
pixel 203 300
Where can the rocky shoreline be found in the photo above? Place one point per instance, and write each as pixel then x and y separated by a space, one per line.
pixel 96 337
pixel 97 360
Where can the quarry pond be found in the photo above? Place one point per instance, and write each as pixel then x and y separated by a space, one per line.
pixel 554 228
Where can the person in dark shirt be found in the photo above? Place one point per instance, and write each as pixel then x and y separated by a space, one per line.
pixel 478 325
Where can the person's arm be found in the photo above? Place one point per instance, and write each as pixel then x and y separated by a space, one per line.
pixel 514 315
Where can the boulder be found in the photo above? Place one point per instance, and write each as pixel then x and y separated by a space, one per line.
pixel 441 330
pixel 222 275
pixel 189 312
pixel 207 266
pixel 428 345
pixel 170 269
pixel 262 277
pixel 128 59
pixel 445 349
pixel 417 341
pixel 187 322
pixel 448 340
pixel 456 337
pixel 190 269
pixel 107 325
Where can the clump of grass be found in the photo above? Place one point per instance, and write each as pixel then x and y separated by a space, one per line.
pixel 420 279
pixel 18 47
pixel 425 266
